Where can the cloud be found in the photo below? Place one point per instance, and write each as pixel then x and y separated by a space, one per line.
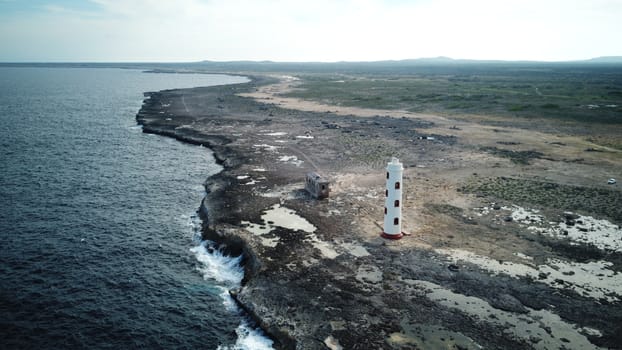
pixel 323 30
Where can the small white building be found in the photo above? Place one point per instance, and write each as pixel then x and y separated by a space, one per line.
pixel 393 203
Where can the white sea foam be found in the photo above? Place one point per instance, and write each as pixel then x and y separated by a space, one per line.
pixel 226 270
pixel 217 266
pixel 249 338
pixel 227 300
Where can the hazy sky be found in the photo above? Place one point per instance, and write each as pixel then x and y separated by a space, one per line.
pixel 307 30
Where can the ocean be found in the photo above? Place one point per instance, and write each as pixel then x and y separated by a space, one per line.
pixel 100 240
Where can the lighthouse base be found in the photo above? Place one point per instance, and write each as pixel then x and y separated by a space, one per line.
pixel 392 236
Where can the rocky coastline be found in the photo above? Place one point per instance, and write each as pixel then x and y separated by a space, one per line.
pixel 338 284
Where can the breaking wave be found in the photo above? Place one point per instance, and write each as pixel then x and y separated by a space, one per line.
pixel 227 272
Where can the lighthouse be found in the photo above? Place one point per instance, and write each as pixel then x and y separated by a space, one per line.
pixel 393 203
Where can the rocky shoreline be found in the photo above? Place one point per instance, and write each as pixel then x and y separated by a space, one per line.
pixel 335 283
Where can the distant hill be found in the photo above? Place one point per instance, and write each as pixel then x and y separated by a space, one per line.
pixel 605 59
pixel 448 60
pixel 422 60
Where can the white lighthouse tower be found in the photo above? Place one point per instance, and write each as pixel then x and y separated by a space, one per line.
pixel 393 203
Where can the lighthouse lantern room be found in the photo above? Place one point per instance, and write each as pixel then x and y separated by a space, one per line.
pixel 393 203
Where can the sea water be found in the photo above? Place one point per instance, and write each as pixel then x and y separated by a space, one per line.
pixel 100 243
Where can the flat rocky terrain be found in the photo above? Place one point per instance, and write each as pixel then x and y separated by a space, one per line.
pixel 514 237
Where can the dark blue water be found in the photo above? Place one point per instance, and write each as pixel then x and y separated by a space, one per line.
pixel 97 219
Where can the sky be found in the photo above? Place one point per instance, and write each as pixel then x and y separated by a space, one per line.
pixel 307 30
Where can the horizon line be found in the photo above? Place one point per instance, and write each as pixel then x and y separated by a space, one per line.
pixel 437 59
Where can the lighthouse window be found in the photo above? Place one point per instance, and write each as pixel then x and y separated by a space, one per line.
pixel 397 203
pixel 397 185
pixel 387 174
pixel 386 193
pixel 396 221
pixel 385 210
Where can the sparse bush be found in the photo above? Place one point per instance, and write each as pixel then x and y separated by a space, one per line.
pixel 550 106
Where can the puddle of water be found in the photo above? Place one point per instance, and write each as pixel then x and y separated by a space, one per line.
pixel 308 137
pixel 593 279
pixel 287 218
pixel 291 159
pixel 491 265
pixel 324 247
pixel 276 194
pixel 278 216
pixel 266 147
pixel 354 249
pixel 281 217
pixel 279 133
pixel 542 329
pixel 369 274
pixel 332 343
pixel 523 256
pixel 591 331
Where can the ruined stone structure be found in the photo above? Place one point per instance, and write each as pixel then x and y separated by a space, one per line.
pixel 317 186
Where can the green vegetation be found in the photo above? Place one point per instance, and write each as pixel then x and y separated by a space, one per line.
pixel 576 99
pixel 594 201
pixel 369 151
pixel 518 157
pixel 580 93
